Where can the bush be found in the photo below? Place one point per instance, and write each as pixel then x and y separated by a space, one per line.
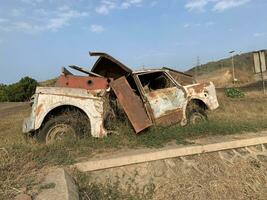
pixel 3 93
pixel 20 91
pixel 234 93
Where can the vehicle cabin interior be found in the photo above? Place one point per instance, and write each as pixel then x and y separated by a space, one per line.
pixel 155 81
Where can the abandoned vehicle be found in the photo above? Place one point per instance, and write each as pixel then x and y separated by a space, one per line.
pixel 80 105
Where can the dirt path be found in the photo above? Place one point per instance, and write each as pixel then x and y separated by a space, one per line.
pixel 7 109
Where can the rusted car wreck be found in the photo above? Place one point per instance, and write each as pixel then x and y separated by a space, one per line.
pixel 81 104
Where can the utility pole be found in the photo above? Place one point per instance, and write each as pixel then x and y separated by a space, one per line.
pixel 197 67
pixel 233 66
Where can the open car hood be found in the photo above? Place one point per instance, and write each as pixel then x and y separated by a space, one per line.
pixel 109 67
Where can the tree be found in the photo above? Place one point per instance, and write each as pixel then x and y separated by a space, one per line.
pixel 3 93
pixel 20 91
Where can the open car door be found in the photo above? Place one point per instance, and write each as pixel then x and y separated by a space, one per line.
pixel 132 104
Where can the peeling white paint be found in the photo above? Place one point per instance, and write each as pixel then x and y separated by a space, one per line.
pixel 91 102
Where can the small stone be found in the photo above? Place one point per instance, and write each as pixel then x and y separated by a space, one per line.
pixel 262 158
pixel 226 155
pixel 243 151
pixel 257 148
pixel 23 197
pixel 23 190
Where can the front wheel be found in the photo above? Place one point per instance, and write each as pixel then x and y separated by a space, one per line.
pixel 196 115
pixel 60 127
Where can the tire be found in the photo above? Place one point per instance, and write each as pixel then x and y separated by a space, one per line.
pixel 196 114
pixel 66 125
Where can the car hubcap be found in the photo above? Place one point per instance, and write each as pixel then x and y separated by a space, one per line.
pixel 59 132
pixel 196 118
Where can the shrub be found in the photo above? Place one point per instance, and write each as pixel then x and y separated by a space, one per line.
pixel 20 91
pixel 3 93
pixel 234 93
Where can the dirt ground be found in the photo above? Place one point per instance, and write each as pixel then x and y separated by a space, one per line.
pixel 7 109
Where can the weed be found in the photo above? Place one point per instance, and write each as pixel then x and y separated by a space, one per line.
pixel 111 189
pixel 47 186
pixel 234 93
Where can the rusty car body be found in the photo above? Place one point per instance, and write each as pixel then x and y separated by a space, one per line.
pixel 148 97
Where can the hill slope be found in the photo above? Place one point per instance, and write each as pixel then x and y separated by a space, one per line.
pixel 221 73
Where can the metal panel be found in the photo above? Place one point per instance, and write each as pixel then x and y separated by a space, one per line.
pixel 165 101
pixel 259 61
pixel 132 104
pixel 83 82
pixel 263 61
pixel 172 118
pixel 109 67
pixel 49 98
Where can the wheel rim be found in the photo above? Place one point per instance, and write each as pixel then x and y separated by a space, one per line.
pixel 58 132
pixel 196 118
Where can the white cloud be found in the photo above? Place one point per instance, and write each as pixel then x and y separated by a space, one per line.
pixel 57 20
pixel 107 5
pixel 2 20
pixel 17 12
pixel 259 34
pixel 41 12
pixel 129 3
pixel 32 2
pixel 192 25
pixel 227 4
pixel 217 5
pixel 125 5
pixel 25 27
pixel 64 7
pixel 154 3
pixel 198 5
pixel 96 28
pixel 210 23
pixel 5 29
pixel 187 25
pixel 62 19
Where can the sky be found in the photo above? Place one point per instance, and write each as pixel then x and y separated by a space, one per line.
pixel 38 37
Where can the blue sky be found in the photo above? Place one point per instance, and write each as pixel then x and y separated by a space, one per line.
pixel 38 37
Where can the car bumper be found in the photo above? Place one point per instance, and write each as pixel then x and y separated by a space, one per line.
pixel 28 125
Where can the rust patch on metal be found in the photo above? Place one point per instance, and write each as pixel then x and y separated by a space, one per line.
pixel 170 118
pixel 132 104
pixel 39 109
pixel 83 82
pixel 200 87
pixel 165 101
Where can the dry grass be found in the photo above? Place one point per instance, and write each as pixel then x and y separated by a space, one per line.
pixel 250 108
pixel 209 176
pixel 21 159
